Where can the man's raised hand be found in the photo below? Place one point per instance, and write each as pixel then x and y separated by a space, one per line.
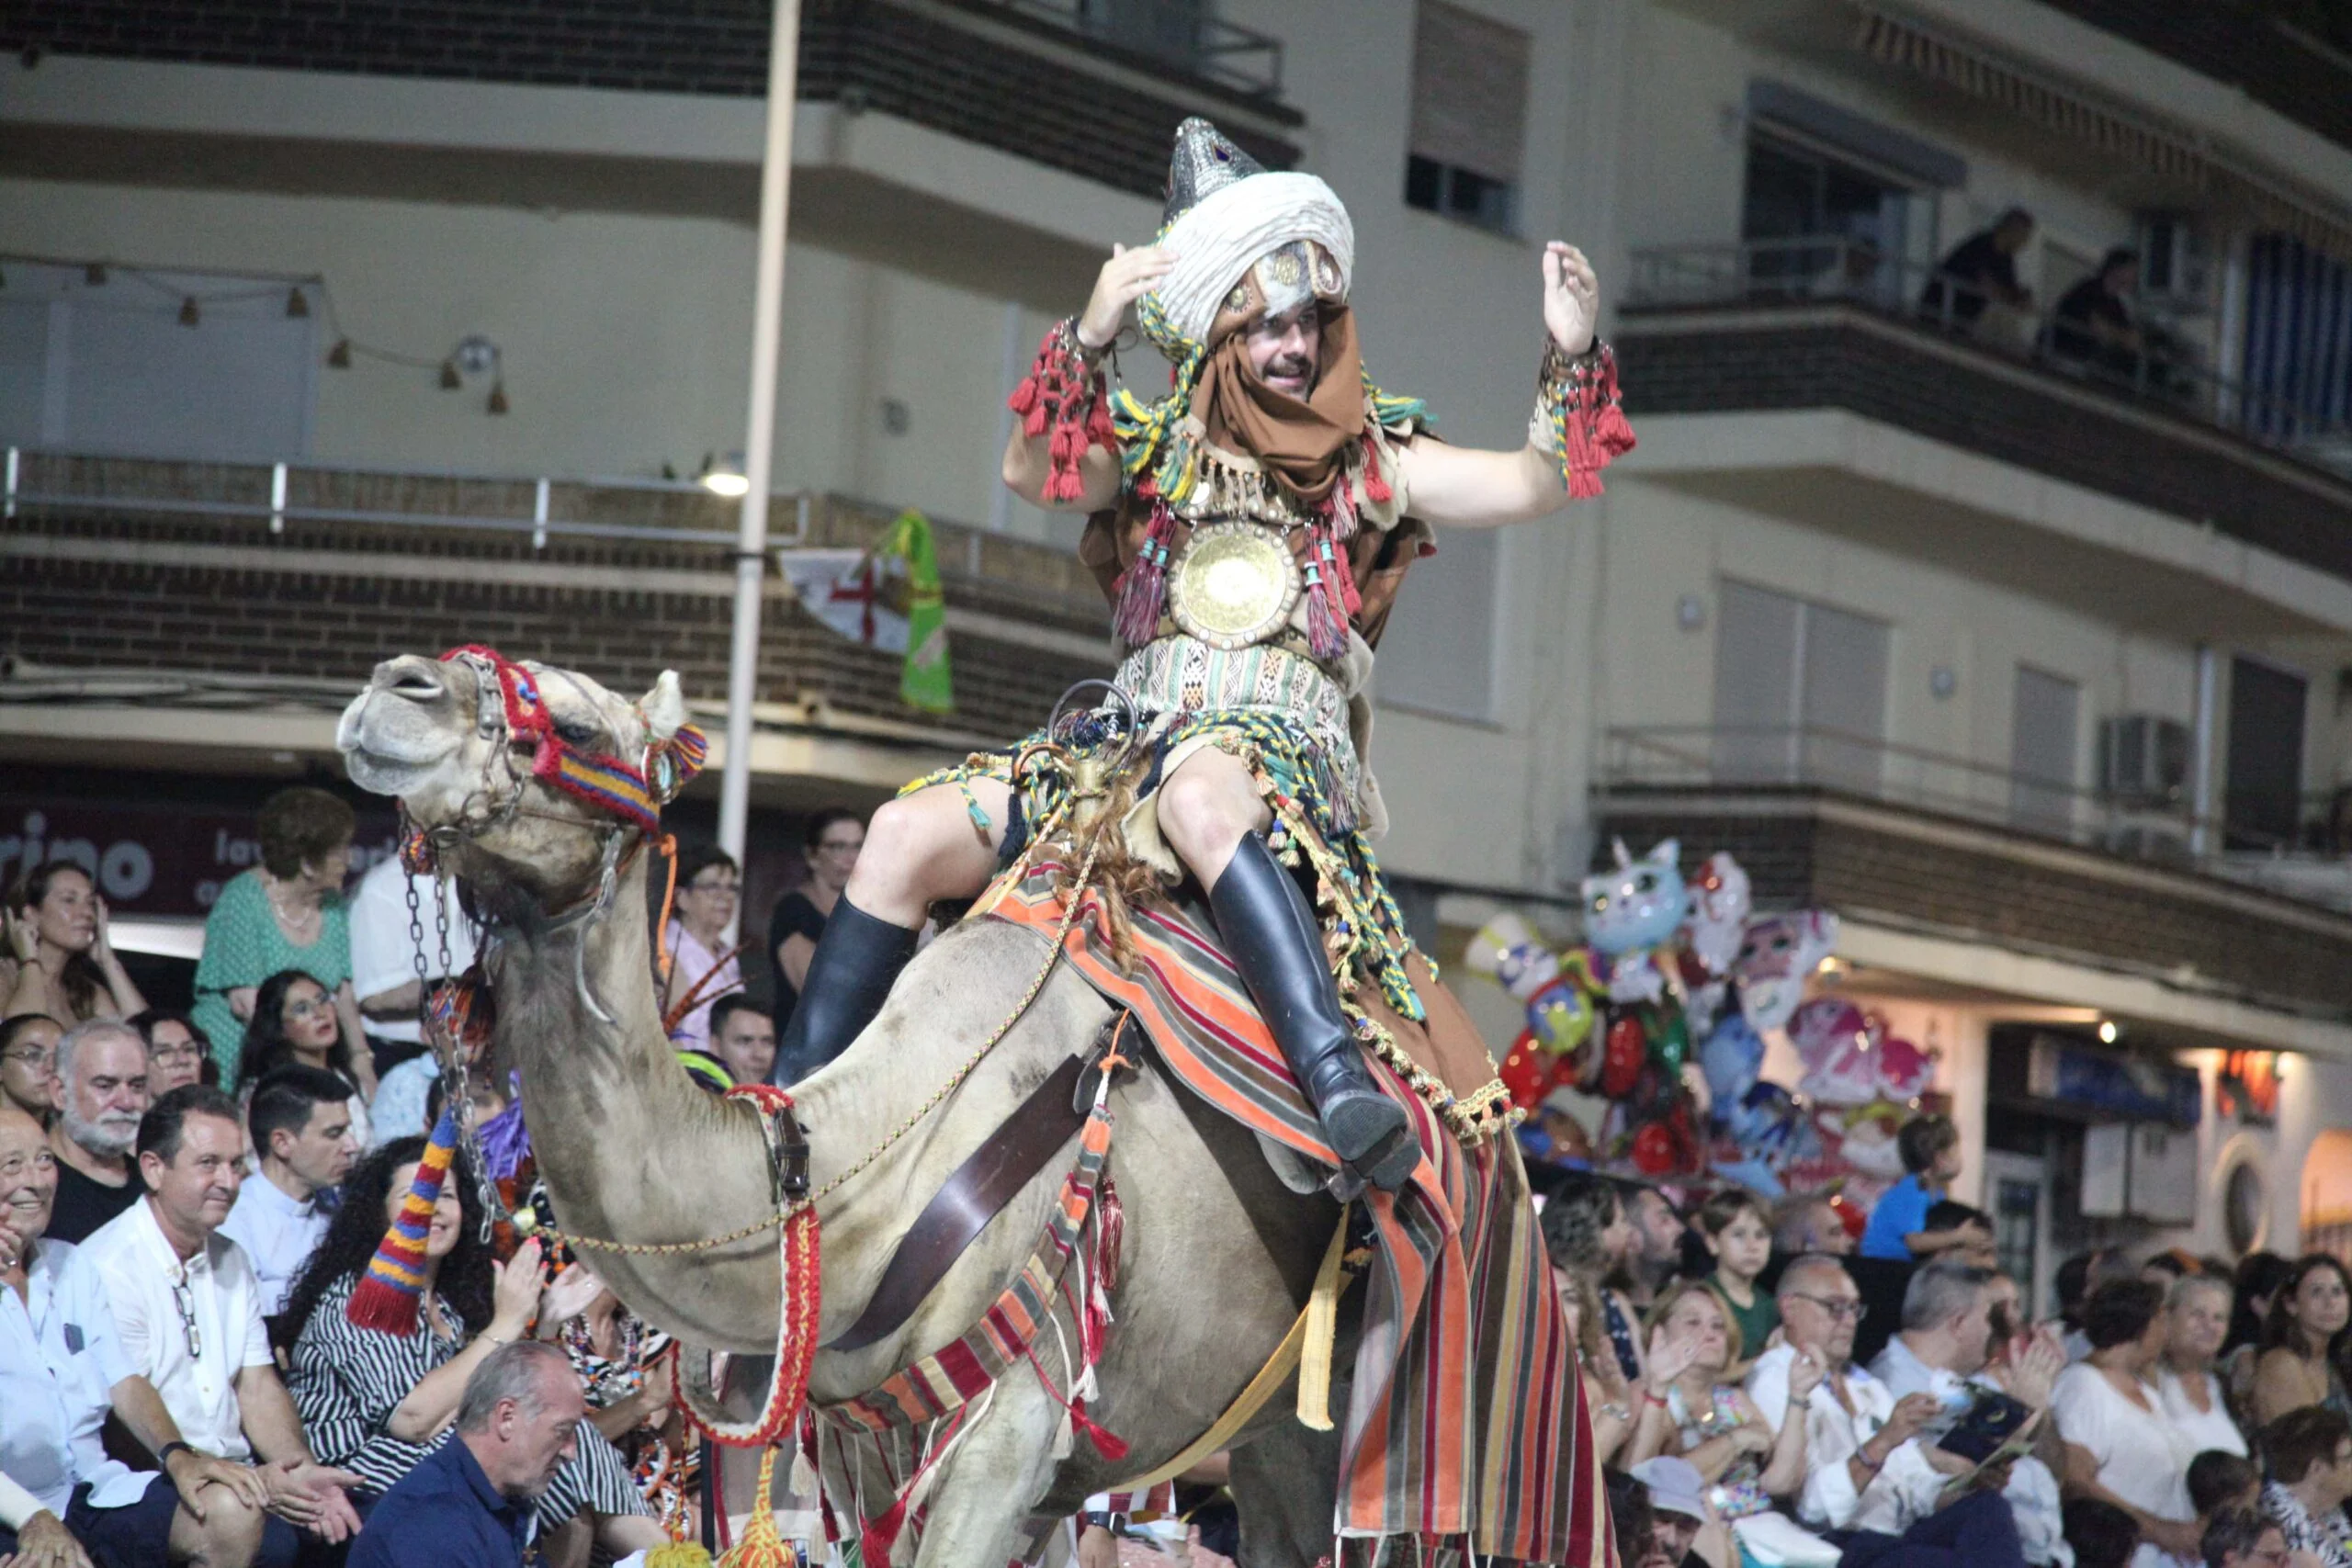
pixel 1571 296
pixel 1126 278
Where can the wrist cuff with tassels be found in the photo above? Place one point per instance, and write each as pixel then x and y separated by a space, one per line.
pixel 1064 394
pixel 1578 418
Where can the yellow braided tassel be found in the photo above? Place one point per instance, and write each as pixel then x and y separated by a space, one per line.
pixel 760 1546
pixel 678 1555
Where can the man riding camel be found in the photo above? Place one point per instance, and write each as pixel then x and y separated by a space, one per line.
pixel 1252 528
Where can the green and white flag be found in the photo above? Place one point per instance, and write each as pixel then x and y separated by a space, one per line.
pixel 888 598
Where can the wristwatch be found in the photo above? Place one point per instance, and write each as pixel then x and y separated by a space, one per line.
pixel 163 1455
pixel 1114 1523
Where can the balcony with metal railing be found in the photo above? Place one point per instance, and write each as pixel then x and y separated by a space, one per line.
pixel 1927 840
pixel 1824 323
pixel 153 582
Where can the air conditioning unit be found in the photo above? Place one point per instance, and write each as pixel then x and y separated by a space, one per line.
pixel 2176 262
pixel 2143 759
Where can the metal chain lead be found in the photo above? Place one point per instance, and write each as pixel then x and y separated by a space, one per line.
pixel 447 1051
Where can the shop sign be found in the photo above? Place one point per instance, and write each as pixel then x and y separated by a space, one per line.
pixel 2121 1088
pixel 153 860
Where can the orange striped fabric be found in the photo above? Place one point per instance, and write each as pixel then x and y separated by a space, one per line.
pixel 1467 1427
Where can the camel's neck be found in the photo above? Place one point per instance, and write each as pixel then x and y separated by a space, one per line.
pixel 630 1148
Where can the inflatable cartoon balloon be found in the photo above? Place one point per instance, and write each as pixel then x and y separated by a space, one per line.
pixel 1637 905
pixel 1780 951
pixel 1731 1058
pixel 1719 909
pixel 1555 989
pixel 1834 1041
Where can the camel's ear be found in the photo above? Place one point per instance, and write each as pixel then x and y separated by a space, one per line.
pixel 664 708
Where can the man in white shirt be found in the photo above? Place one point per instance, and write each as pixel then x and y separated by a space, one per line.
pixel 383 976
pixel 1870 1475
pixel 61 1370
pixel 1946 1339
pixel 300 1122
pixel 187 1309
pixel 1865 1467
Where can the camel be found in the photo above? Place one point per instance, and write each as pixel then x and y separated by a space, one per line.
pixel 1218 1254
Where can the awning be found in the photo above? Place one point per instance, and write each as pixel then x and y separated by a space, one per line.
pixel 2068 109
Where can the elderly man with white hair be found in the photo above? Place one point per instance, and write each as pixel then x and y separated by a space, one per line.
pixel 1869 1471
pixel 100 1091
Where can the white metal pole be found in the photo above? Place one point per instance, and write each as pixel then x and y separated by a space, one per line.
pixel 759 440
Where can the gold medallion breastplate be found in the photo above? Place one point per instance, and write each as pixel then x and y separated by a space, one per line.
pixel 1235 585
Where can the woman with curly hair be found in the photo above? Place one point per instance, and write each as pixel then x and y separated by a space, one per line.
pixel 286 913
pixel 56 959
pixel 1587 1234
pixel 379 1402
pixel 296 1023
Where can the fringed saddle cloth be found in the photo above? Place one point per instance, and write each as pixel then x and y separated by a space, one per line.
pixel 1466 1427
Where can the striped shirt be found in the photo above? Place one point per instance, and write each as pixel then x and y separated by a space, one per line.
pixel 347 1380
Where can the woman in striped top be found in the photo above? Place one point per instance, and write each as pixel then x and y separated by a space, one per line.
pixel 379 1403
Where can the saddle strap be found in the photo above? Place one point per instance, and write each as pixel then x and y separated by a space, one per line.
pixel 977 1193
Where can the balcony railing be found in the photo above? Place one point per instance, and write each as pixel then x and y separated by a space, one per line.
pixel 2162 372
pixel 2313 866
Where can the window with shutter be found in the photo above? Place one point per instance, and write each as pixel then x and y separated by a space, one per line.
pixel 1469 115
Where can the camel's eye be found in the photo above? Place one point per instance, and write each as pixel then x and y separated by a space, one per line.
pixel 578 732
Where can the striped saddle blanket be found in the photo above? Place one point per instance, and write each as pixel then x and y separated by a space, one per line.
pixel 1467 1427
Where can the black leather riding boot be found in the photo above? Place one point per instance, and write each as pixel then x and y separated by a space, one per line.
pixel 849 978
pixel 1272 936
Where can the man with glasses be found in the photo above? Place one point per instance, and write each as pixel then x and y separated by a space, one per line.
pixel 64 1503
pixel 28 1064
pixel 2239 1537
pixel 187 1309
pixel 100 1084
pixel 1866 1468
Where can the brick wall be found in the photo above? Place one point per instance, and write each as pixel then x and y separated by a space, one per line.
pixel 2300 958
pixel 1875 373
pixel 985 86
pixel 262 620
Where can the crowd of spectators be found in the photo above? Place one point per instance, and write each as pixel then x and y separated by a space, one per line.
pixel 189 1201
pixel 2176 1411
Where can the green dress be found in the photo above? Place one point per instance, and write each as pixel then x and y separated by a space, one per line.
pixel 243 945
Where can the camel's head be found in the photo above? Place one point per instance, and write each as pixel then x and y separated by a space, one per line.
pixel 527 770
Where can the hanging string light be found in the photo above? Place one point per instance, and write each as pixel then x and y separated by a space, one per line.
pixel 474 355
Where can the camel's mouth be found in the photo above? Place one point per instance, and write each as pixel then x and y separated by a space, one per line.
pixel 389 745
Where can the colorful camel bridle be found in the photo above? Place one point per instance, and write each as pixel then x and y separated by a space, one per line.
pixel 634 792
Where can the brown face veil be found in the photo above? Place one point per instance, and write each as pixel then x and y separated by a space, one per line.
pixel 1300 442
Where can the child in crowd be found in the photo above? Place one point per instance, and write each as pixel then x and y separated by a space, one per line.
pixel 2218 1479
pixel 1929 1146
pixel 2102 1535
pixel 1738 1235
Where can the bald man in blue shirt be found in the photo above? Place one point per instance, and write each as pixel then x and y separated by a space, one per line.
pixel 473 1502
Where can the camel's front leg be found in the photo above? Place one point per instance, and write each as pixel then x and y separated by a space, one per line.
pixel 994 1480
